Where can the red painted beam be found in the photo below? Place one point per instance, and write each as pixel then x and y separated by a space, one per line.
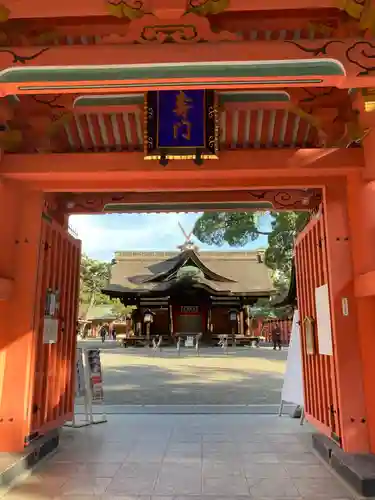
pixel 101 165
pixel 130 172
pixel 90 8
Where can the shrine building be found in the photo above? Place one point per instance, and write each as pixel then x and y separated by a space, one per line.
pixel 192 292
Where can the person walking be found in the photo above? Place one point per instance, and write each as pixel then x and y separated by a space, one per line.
pixel 276 337
pixel 103 333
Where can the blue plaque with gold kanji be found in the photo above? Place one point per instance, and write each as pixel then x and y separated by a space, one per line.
pixel 181 124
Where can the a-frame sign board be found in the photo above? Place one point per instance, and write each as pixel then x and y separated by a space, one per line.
pixel 292 391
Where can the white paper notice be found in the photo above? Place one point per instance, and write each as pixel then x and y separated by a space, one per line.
pixel 323 320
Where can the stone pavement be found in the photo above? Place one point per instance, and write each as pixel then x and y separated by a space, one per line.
pixel 184 457
pixel 137 376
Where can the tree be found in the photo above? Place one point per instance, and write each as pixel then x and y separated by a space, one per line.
pixel 285 227
pixel 239 228
pixel 94 275
pixel 120 310
pixel 234 228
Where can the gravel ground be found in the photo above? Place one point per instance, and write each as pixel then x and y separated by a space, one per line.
pixel 135 376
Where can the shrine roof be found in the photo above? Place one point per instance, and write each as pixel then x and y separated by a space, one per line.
pixel 240 273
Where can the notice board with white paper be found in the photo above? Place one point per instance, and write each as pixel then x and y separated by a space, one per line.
pixel 292 391
pixel 323 320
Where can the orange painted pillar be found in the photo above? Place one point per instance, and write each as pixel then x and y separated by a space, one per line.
pixel 351 403
pixel 361 208
pixel 361 212
pixel 20 213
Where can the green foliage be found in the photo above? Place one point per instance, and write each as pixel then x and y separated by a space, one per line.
pixel 94 275
pixel 119 309
pixel 285 227
pixel 234 228
pixel 239 228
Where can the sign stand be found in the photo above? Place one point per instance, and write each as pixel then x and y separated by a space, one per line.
pixel 94 381
pixel 81 390
pixel 86 380
pixel 292 391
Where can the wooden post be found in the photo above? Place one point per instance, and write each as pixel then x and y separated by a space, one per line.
pixel 352 330
pixel 361 210
pixel 21 217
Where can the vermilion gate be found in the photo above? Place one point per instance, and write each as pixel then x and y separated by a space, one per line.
pixel 320 380
pixel 58 269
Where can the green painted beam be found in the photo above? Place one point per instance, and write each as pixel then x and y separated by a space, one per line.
pixel 251 69
pixel 185 207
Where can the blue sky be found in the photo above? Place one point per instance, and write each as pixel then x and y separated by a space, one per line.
pixel 103 235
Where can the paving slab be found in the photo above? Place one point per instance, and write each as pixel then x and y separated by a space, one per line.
pixel 151 457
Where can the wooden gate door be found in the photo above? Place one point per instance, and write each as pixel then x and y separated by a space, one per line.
pixel 53 387
pixel 320 378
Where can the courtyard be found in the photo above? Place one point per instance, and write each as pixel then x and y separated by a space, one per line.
pixel 137 376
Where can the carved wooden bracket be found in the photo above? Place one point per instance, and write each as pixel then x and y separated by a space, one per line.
pixel 188 29
pixel 337 127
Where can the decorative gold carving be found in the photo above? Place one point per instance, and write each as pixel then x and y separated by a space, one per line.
pixel 4 13
pixel 353 131
pixel 339 127
pixel 362 11
pixel 10 140
pixel 309 327
pixel 312 121
pixel 129 9
pixel 207 7
pixel 4 16
pixel 323 29
pixel 369 99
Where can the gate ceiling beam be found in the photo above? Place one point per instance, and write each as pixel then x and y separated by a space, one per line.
pixel 129 171
pixel 244 199
pixel 345 63
pixel 231 164
pixel 90 8
pixel 178 185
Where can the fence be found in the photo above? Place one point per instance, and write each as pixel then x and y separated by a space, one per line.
pixel 266 326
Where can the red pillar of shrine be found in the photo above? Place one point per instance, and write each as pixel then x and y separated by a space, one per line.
pixel 350 373
pixel 361 213
pixel 361 208
pixel 20 213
